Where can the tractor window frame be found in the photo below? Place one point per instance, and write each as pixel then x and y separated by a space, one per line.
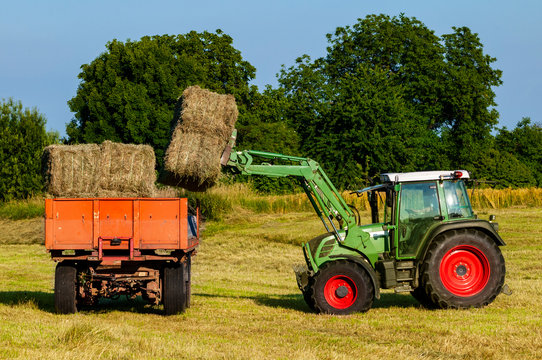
pixel 457 201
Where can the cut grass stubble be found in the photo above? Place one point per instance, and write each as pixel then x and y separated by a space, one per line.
pixel 246 305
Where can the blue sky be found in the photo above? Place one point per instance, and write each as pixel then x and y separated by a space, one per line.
pixel 43 44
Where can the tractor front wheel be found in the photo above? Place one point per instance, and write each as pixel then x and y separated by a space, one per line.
pixel 341 288
pixel 462 269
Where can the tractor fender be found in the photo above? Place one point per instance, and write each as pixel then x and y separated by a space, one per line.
pixel 365 265
pixel 480 225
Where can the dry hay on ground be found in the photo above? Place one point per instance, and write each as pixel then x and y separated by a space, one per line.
pixel 201 133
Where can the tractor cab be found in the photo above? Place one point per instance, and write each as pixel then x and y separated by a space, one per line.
pixel 409 205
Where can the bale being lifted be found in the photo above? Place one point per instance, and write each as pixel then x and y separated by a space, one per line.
pixel 201 133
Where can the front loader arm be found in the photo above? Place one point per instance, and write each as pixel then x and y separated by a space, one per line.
pixel 324 197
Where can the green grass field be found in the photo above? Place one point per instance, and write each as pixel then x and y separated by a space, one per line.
pixel 246 304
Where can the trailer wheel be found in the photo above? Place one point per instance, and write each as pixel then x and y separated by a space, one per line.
pixel 463 269
pixel 66 288
pixel 341 288
pixel 187 279
pixel 173 290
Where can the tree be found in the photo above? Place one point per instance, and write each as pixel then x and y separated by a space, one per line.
pixel 264 126
pixel 128 93
pixel 504 169
pixel 525 143
pixel 23 137
pixel 467 107
pixel 387 95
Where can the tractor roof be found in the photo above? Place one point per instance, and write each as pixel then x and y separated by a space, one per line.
pixel 425 175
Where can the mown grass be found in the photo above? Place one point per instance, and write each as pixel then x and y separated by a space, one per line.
pixel 246 305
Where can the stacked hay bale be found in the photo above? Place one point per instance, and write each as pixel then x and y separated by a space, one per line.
pixel 203 127
pixel 72 170
pixel 107 170
pixel 127 169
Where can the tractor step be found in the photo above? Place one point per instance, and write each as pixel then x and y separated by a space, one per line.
pixel 403 288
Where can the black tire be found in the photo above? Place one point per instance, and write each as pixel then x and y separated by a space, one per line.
pixel 187 280
pixel 307 294
pixel 341 288
pixel 463 269
pixel 66 288
pixel 173 289
pixel 421 296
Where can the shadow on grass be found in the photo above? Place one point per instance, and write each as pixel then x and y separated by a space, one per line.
pixel 44 301
pixel 39 299
pixel 290 301
pixel 388 300
pixel 296 301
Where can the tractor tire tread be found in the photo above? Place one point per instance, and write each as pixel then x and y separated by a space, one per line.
pixel 367 298
pixel 446 300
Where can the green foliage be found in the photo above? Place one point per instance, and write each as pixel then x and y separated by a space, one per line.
pixel 23 136
pixel 503 168
pixel 525 142
pixel 387 95
pixel 467 107
pixel 127 94
pixel 264 126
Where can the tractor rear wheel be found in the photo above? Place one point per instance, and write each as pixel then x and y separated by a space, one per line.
pixel 173 289
pixel 66 288
pixel 341 288
pixel 463 269
pixel 422 297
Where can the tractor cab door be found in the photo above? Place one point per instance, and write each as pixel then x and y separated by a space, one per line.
pixel 419 209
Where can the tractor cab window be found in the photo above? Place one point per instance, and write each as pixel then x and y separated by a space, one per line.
pixel 418 210
pixel 457 200
pixel 381 203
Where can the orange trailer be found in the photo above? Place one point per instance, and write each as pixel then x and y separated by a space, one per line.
pixel 107 247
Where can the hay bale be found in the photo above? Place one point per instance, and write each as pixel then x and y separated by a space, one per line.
pixel 72 170
pixel 201 133
pixel 127 170
pixel 106 170
pixel 166 192
pixel 193 160
pixel 206 112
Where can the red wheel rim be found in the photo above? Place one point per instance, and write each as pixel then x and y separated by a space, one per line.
pixel 464 270
pixel 340 292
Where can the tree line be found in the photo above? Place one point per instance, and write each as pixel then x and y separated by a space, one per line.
pixel 389 95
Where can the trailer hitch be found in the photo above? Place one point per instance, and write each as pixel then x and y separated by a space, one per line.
pixel 116 241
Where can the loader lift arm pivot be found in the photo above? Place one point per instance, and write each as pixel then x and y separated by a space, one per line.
pixel 323 196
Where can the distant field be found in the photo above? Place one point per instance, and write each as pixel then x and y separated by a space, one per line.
pixel 246 304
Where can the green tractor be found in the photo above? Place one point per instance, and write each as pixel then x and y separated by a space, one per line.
pixel 424 238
